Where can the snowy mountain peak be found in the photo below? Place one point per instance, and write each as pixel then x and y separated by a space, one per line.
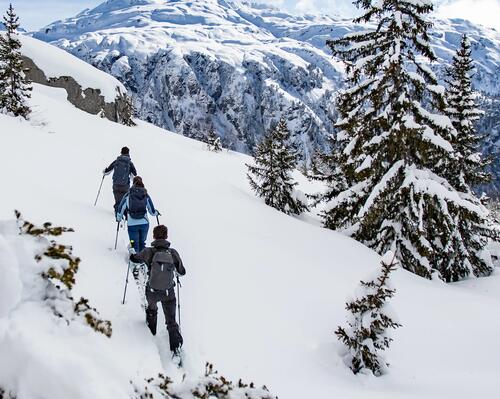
pixel 237 67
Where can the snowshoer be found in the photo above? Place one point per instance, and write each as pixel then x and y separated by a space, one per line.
pixel 137 203
pixel 162 262
pixel 122 168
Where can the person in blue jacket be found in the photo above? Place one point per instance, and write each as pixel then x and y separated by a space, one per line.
pixel 137 203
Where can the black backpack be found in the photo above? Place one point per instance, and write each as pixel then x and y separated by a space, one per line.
pixel 121 174
pixel 161 276
pixel 137 202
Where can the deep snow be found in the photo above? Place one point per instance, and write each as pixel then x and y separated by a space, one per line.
pixel 263 291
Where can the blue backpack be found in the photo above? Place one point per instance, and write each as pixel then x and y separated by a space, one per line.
pixel 137 202
pixel 121 174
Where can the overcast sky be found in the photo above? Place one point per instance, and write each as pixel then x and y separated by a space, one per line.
pixel 37 13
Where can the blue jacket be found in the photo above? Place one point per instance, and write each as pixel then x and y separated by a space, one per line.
pixel 126 179
pixel 124 205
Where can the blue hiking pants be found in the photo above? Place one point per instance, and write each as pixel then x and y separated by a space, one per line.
pixel 138 235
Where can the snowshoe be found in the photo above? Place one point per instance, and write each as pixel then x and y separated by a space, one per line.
pixel 141 278
pixel 178 357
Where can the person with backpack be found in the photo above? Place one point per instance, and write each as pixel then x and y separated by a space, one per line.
pixel 137 203
pixel 163 262
pixel 122 168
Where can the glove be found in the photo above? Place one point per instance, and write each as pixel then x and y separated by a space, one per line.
pixel 118 219
pixel 157 213
pixel 104 171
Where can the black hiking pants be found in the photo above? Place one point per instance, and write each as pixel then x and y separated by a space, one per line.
pixel 168 302
pixel 119 192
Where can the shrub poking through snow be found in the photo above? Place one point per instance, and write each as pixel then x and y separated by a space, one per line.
pixel 59 269
pixel 368 323
pixel 270 178
pixel 213 142
pixel 91 316
pixel 210 386
pixel 214 385
pixel 5 395
pixel 14 86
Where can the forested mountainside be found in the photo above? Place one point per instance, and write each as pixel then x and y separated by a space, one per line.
pixel 237 67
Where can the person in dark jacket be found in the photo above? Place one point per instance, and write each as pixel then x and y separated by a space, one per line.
pixel 137 203
pixel 167 298
pixel 122 168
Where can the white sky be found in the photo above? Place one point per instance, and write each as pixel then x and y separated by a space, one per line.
pixel 35 14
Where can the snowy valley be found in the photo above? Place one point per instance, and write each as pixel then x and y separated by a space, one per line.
pixel 263 294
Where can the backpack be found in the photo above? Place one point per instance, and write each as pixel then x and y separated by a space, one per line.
pixel 161 276
pixel 137 202
pixel 121 174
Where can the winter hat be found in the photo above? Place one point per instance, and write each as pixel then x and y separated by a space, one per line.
pixel 125 151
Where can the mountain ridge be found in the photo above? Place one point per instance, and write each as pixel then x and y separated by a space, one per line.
pixel 237 67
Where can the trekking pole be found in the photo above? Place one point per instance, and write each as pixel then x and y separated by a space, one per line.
pixel 178 298
pixel 126 283
pixel 99 192
pixel 158 219
pixel 117 230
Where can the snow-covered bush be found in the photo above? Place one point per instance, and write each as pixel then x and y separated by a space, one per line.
pixel 210 386
pixel 368 322
pixel 59 267
pixel 213 142
pixel 44 333
pixel 50 277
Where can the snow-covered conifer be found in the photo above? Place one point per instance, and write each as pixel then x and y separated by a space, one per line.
pixel 396 144
pixel 213 142
pixel 128 112
pixel 326 168
pixel 464 113
pixel 271 177
pixel 15 87
pixel 366 335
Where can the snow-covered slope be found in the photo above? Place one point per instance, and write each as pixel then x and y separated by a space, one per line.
pixel 263 291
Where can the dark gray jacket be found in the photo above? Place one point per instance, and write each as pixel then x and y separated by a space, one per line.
pixel 146 255
pixel 132 169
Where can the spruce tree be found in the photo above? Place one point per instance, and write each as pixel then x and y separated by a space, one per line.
pixel 14 86
pixel 463 112
pixel 128 112
pixel 325 167
pixel 213 142
pixel 271 178
pixel 396 144
pixel 470 232
pixel 369 321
